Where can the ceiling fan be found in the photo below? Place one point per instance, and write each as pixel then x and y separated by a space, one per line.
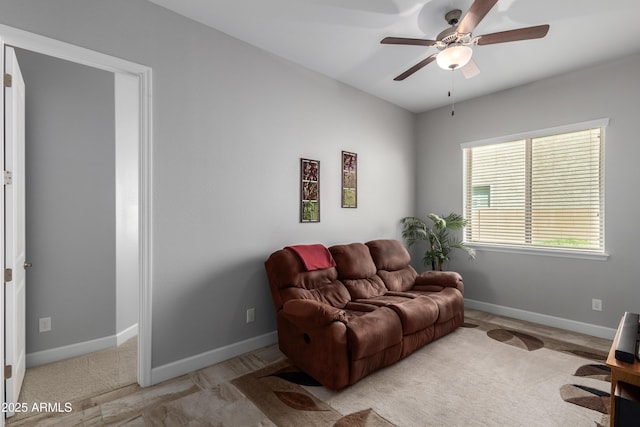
pixel 454 42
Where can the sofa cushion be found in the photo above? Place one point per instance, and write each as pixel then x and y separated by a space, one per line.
pixel 365 288
pixel 312 314
pixel 357 271
pixel 392 261
pixel 372 332
pixel 385 300
pixel 353 261
pixel 389 255
pixel 358 308
pixel 416 314
pixel 450 303
pixel 398 280
pixel 334 294
pixel 285 270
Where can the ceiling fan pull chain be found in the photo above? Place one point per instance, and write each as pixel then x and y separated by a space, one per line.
pixel 453 102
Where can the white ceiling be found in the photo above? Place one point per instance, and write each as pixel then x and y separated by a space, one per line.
pixel 341 39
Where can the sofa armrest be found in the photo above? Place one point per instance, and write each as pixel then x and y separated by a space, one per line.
pixel 312 314
pixel 444 279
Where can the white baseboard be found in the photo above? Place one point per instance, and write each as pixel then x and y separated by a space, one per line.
pixel 128 333
pixel 65 352
pixel 74 350
pixel 543 319
pixel 199 361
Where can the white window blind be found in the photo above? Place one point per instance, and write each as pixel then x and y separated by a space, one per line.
pixel 542 191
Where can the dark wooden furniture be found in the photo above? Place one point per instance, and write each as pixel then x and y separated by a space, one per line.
pixel 621 372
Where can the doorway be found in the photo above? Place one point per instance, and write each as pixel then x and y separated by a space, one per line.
pixel 142 77
pixel 71 193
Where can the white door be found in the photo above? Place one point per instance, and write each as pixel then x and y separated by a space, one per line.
pixel 14 228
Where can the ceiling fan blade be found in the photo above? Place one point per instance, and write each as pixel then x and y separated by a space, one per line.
pixel 470 70
pixel 474 15
pixel 528 33
pixel 416 67
pixel 405 41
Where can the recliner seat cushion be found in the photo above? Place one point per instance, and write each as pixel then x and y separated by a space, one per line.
pixel 450 303
pixel 373 332
pixel 415 312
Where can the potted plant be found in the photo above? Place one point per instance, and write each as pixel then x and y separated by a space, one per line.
pixel 440 241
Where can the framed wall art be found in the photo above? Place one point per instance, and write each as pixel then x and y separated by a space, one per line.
pixel 349 180
pixel 309 190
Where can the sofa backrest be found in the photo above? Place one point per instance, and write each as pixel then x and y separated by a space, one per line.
pixel 289 279
pixel 357 270
pixel 392 261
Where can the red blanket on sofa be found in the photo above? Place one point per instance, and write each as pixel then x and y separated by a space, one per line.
pixel 314 257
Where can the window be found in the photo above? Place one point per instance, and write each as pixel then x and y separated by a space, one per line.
pixel 543 191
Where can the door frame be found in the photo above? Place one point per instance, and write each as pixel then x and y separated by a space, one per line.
pixel 47 46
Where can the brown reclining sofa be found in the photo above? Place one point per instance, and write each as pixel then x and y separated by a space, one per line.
pixel 360 309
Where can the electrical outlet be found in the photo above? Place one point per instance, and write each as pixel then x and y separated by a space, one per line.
pixel 251 315
pixel 596 304
pixel 45 324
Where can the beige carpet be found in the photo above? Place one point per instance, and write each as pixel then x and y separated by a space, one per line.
pixel 482 374
pixel 80 377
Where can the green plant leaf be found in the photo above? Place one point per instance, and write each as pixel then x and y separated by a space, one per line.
pixel 439 222
pixel 455 221
pixel 440 241
pixel 414 230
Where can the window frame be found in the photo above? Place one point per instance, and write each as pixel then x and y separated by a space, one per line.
pixel 536 250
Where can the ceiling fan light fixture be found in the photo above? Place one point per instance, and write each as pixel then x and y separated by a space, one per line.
pixel 454 57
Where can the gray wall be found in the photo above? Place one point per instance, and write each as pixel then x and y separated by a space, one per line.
pixel 230 124
pixel 70 203
pixel 561 287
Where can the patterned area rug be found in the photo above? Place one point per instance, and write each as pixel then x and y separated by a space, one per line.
pixel 277 391
pixel 479 375
pixel 595 398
